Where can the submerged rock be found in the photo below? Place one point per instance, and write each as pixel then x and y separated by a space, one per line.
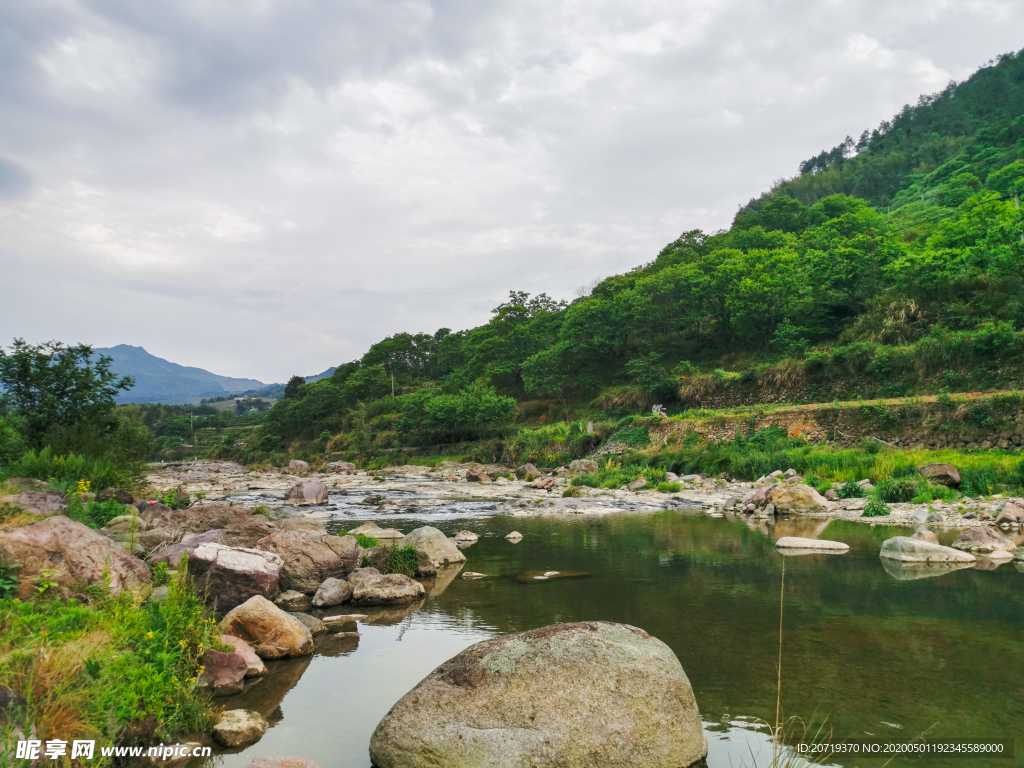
pixel 911 571
pixel 370 587
pixel 514 536
pixel 908 550
pixel 592 694
pixel 223 673
pixel 818 545
pixel 291 600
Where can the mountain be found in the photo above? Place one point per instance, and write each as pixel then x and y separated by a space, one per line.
pixel 159 380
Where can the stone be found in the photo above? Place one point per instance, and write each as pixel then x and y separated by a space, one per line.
pixel 298 465
pixel 476 476
pixel 122 497
pixel 926 535
pixel 381 534
pixel 790 473
pixel 238 526
pixel 592 694
pixel 271 632
pixel 585 466
pixel 514 536
pixel 290 600
pixel 1011 513
pixel 982 540
pixel 345 622
pixel 223 673
pixel 332 592
pixel 501 481
pixel 370 587
pixel 73 554
pixel 473 575
pixel 303 525
pixel 798 499
pixel 312 623
pixel 345 467
pixel 798 542
pixel 307 492
pixel 527 469
pixel 776 473
pixel 943 474
pixel 171 553
pixel 909 550
pixel 285 762
pixel 437 551
pixel 831 494
pixel 1018 553
pixel 283 512
pixel 307 563
pixel 229 576
pixel 545 483
pixel 254 664
pixel 238 727
pixel 44 503
pixel 466 536
pixel 637 484
pixel 26 484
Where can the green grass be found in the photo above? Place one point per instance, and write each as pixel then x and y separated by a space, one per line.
pixel 875 508
pixel 366 542
pixel 97 666
pixel 261 509
pixel 850 490
pixel 65 472
pixel 398 560
pixel 96 514
pixel 668 487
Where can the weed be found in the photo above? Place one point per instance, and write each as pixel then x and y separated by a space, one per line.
pixel 668 487
pixel 572 491
pixel 161 574
pixel 176 498
pixel 850 490
pixel 875 508
pixel 261 509
pixel 366 542
pixel 895 490
pixel 9 581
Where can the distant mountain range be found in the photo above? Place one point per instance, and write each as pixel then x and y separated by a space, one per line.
pixel 161 381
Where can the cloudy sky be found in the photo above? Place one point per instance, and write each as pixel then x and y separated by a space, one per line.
pixel 267 187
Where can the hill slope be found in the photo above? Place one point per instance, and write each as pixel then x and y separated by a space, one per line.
pixel 159 380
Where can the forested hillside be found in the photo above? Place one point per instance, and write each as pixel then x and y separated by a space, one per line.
pixel 891 265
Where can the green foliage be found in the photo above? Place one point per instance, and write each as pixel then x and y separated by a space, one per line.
pixel 896 490
pixel 161 574
pixel 9 580
pixel 399 560
pixel 366 542
pixel 176 498
pixel 96 514
pixel 875 508
pixel 635 436
pixel 927 493
pixel 850 490
pixel 65 471
pixel 261 509
pixel 571 491
pixel 668 487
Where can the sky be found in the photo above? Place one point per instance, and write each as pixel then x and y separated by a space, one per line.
pixel 266 188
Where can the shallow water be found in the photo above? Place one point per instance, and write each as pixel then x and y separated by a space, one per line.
pixel 878 652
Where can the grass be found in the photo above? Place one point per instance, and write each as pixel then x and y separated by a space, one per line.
pixel 397 559
pixel 261 509
pixel 875 508
pixel 66 472
pixel 114 669
pixel 96 514
pixel 366 542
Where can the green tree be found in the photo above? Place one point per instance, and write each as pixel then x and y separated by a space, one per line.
pixel 293 389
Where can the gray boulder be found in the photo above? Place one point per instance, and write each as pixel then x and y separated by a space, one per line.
pixel 943 474
pixel 434 548
pixel 307 563
pixel 583 466
pixel 307 492
pixel 527 469
pixel 587 695
pixel 370 587
pixel 231 575
pixel 291 600
pixel 637 484
pixel 312 623
pixel 332 592
pixel 982 540
pixel 909 550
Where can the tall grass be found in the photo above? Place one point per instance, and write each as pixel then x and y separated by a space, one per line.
pixel 66 471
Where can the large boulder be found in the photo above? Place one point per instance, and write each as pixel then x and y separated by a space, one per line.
pixel 345 467
pixel 587 695
pixel 332 592
pixel 307 563
pixel 229 576
pixel 374 530
pixel 43 503
pixel 223 673
pixel 583 466
pixel 305 526
pixel 73 555
pixel 238 526
pixel 370 587
pixel 798 499
pixel 291 601
pixel 171 553
pixel 116 494
pixel 298 465
pixel 238 727
pixel 982 540
pixel 434 548
pixel 943 474
pixel 477 476
pixel 1010 514
pixel 271 632
pixel 527 469
pixel 909 550
pixel 636 485
pixel 307 492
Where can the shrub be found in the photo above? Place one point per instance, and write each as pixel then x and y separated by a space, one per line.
pixel 176 498
pixel 668 487
pixel 875 508
pixel 161 574
pixel 366 542
pixel 400 560
pixel 573 491
pixel 898 489
pixel 928 492
pixel 95 514
pixel 850 490
pixel 66 471
pixel 261 509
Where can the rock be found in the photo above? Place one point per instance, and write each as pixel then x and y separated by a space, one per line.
pixel 345 467
pixel 584 466
pixel 26 484
pixel 239 726
pixel 1018 553
pixel 928 536
pixel 43 503
pixel 514 536
pixel 307 492
pixel 271 632
pixel 476 476
pixel 290 600
pixel 777 473
pixel 238 526
pixel 312 623
pixel 381 534
pixel 74 553
pixel 159 594
pixel 527 469
pixel 229 576
pixel 466 536
pixel 345 622
pixel 909 550
pixel 982 540
pixel 284 513
pixel 797 542
pixel 151 508
pixel 303 525
pixel 758 497
pixel 285 762
pixel 122 497
pixel 370 587
pixel 902 571
pixel 307 563
pixel 637 484
pixel 545 483
pixel 593 694
pixel 298 465
pixel 798 499
pixel 473 575
pixel 171 553
pixel 501 481
pixel 223 673
pixel 1011 513
pixel 831 494
pixel 790 473
pixel 437 551
pixel 254 666
pixel 332 592
pixel 943 474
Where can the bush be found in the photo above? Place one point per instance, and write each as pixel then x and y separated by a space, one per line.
pixel 850 490
pixel 400 560
pixel 176 498
pixel 875 508
pixel 65 472
pixel 668 487
pixel 366 542
pixel 261 509
pixel 573 491
pixel 895 490
pixel 96 514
